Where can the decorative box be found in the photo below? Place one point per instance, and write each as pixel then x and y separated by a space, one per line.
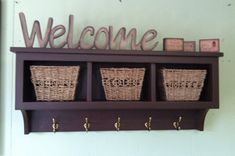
pixel 209 45
pixel 189 46
pixel 173 44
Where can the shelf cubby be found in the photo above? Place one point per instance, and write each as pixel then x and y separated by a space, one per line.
pixel 28 89
pixel 98 93
pixel 207 90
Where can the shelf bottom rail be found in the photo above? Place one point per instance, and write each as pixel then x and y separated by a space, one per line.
pixel 112 120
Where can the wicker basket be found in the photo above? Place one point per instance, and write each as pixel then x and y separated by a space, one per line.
pixel 122 83
pixel 54 83
pixel 182 84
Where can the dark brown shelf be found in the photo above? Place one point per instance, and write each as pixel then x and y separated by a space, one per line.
pixel 114 52
pixel 111 105
pixel 90 99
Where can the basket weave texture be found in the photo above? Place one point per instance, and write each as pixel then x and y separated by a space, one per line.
pixel 182 84
pixel 54 83
pixel 122 83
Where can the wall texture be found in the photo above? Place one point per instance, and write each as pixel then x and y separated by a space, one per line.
pixel 190 19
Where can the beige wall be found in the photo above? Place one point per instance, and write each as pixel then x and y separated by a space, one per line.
pixel 190 19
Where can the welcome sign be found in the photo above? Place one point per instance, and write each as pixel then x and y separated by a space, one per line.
pixel 103 38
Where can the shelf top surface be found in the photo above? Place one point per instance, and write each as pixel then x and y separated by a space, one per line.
pixel 114 52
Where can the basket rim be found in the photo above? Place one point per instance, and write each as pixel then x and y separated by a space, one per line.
pixel 122 68
pixel 43 66
pixel 172 69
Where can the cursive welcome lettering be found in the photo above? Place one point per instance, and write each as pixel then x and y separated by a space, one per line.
pixel 148 37
pixel 70 34
pixel 57 32
pixel 29 40
pixel 104 38
pixel 97 41
pixel 83 44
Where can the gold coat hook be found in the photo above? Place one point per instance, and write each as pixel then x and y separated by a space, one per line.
pixel 176 124
pixel 148 124
pixel 55 125
pixel 87 125
pixel 117 124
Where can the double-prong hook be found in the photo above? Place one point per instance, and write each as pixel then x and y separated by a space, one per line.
pixel 148 123
pixel 117 124
pixel 87 125
pixel 55 125
pixel 176 124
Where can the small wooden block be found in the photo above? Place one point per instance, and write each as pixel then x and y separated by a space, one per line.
pixel 189 46
pixel 173 44
pixel 209 45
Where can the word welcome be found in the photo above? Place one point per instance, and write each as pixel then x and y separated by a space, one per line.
pixel 103 38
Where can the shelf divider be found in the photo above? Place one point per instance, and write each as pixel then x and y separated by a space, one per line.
pixel 89 81
pixel 153 82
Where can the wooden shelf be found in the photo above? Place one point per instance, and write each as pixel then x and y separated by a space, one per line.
pixel 113 52
pixel 90 100
pixel 106 105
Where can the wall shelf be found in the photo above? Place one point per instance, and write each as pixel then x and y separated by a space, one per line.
pixel 109 105
pixel 90 100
